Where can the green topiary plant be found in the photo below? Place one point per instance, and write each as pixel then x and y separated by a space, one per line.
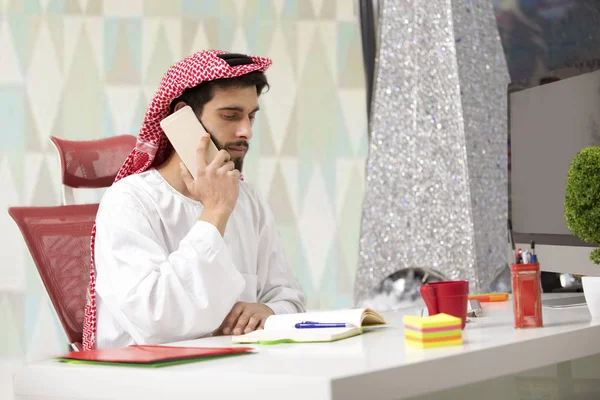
pixel 582 198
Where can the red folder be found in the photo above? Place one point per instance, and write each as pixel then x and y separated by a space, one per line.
pixel 151 355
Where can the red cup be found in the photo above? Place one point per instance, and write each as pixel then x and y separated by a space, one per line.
pixel 449 297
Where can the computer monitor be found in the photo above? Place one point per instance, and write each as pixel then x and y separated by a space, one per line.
pixel 550 118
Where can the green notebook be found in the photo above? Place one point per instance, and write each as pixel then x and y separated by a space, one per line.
pixel 151 356
pixel 157 364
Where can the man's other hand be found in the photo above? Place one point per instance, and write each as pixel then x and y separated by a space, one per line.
pixel 244 318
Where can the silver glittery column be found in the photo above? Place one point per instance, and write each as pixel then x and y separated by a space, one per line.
pixel 436 195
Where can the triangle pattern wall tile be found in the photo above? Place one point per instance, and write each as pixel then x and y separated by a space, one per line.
pixel 24 29
pixel 95 29
pixel 289 10
pixel 72 27
pixel 200 8
pixel 122 49
pixel 32 7
pixel 82 112
pixel 280 199
pixel 289 171
pixel 44 83
pixel 328 285
pixel 238 9
pixel 120 99
pixel 11 244
pixel 73 7
pixel 265 171
pixel 211 27
pixel 160 59
pixel 10 69
pixel 56 7
pixel 44 193
pixel 34 142
pixel 140 104
pixel 348 221
pixel 317 6
pixel 328 31
pixel 173 35
pixel 225 32
pixel 306 10
pixel 238 42
pixel 46 339
pixel 278 7
pixel 97 7
pixel 267 144
pixel 12 114
pixel 290 144
pixel 346 11
pixel 192 35
pixel 344 279
pixel 32 170
pixel 350 71
pixel 227 9
pixel 329 10
pixel 305 33
pixel 161 8
pixel 119 8
pixel 345 177
pixel 54 172
pixel 34 283
pixel 265 35
pixel 11 321
pixel 351 102
pixel 84 4
pixel 268 9
pixel 56 30
pixel 344 147
pixel 317 223
pixel 290 37
pixel 280 98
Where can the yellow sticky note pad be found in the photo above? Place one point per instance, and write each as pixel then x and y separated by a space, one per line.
pixel 434 331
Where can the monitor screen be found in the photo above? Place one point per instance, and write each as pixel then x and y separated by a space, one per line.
pixel 551 118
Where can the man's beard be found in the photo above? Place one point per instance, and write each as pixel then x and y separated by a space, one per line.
pixel 239 161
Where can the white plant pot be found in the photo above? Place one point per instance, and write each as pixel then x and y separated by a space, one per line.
pixel 591 291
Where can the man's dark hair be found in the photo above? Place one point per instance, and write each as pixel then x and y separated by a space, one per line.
pixel 197 96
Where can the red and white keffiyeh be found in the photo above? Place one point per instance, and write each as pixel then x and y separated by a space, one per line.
pixel 152 144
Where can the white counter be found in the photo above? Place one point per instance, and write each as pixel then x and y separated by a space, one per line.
pixel 376 365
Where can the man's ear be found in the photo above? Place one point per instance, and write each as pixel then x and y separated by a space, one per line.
pixel 180 104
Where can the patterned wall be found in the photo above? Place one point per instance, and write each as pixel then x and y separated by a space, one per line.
pixel 83 69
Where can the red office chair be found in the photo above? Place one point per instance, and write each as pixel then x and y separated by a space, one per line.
pixel 91 163
pixel 58 239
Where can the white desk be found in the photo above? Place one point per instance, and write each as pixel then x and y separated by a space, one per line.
pixel 376 365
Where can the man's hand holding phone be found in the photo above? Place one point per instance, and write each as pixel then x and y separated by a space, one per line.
pixel 216 185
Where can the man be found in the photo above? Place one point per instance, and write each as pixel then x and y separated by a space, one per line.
pixel 175 258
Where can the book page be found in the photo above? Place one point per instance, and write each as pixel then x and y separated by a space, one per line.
pixel 297 335
pixel 288 321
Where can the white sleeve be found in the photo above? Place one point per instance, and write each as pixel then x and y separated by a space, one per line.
pixel 279 289
pixel 159 297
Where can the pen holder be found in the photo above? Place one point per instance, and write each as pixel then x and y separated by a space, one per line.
pixel 527 295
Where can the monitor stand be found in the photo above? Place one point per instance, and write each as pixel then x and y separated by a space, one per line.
pixel 565 302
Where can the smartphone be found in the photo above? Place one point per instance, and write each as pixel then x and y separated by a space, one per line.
pixel 184 131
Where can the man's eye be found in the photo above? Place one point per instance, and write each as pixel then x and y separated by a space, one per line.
pixel 229 116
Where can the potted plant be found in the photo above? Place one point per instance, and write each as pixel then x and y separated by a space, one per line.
pixel 582 212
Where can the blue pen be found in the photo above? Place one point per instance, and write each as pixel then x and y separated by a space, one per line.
pixel 312 324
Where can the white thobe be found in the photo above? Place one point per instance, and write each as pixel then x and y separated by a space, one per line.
pixel 162 275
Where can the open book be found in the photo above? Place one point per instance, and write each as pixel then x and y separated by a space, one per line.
pixel 282 328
